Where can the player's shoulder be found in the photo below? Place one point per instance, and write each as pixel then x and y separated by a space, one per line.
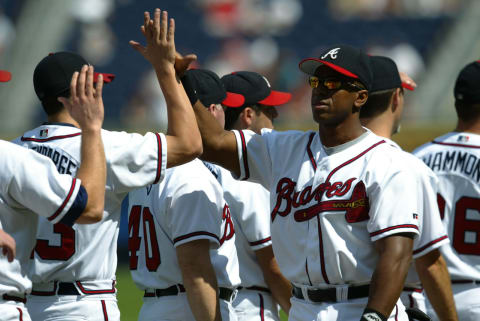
pixel 452 140
pixel 193 170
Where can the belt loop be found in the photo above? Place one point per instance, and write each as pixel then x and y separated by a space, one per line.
pixel 305 293
pixel 342 293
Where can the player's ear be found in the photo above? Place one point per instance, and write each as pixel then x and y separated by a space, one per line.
pixel 395 99
pixel 362 96
pixel 246 116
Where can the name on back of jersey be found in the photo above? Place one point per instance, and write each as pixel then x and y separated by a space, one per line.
pixel 64 163
pixel 463 163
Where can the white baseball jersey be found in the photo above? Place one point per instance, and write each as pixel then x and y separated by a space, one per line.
pixel 455 158
pixel 31 185
pixel 89 252
pixel 250 207
pixel 432 233
pixel 187 205
pixel 329 209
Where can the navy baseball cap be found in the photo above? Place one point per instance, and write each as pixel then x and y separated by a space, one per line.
pixel 5 76
pixel 344 59
pixel 255 88
pixel 53 74
pixel 210 90
pixel 467 86
pixel 385 74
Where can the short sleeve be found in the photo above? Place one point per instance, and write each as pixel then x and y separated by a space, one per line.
pixel 254 157
pixel 195 211
pixel 35 184
pixel 134 160
pixel 394 206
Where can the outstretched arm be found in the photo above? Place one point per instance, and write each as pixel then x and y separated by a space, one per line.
pixel 183 137
pixel 85 105
pixel 433 273
pixel 395 256
pixel 199 279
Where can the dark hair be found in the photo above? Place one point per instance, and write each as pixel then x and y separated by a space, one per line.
pixel 51 105
pixel 232 114
pixel 377 103
pixel 467 111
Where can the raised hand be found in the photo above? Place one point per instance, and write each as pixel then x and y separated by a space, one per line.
pixel 159 34
pixel 8 245
pixel 85 104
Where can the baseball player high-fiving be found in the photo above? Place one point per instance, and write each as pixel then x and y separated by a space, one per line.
pixel 31 186
pixel 342 219
pixel 73 269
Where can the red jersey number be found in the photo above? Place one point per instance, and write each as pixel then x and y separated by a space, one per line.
pixel 64 251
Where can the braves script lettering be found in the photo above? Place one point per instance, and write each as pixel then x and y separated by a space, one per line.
pixel 356 206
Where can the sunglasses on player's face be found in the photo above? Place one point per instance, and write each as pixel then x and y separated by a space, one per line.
pixel 331 83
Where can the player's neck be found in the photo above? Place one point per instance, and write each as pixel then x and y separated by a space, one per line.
pixel 334 135
pixel 468 127
pixel 380 126
pixel 62 117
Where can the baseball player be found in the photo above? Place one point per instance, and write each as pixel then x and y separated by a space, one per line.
pixel 182 237
pixel 382 114
pixel 342 221
pixel 454 158
pixel 31 186
pixel 249 202
pixel 73 269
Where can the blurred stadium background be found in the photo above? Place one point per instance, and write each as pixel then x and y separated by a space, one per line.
pixel 431 40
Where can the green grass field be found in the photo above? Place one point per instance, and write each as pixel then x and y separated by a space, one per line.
pixel 130 298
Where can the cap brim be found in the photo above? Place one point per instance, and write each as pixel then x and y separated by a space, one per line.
pixel 5 76
pixel 276 98
pixel 310 65
pixel 107 78
pixel 407 86
pixel 233 100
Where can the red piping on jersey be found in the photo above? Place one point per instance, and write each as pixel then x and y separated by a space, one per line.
pixel 430 244
pixel 455 145
pixel 309 151
pixel 306 270
pixel 159 164
pixel 265 240
pixel 104 308
pixel 322 258
pixel 21 314
pixel 43 140
pixel 60 209
pixel 245 156
pixel 262 314
pixel 85 291
pixel 396 312
pixel 186 236
pixel 394 228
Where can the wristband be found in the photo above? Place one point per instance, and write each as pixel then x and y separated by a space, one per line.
pixel 189 89
pixel 372 315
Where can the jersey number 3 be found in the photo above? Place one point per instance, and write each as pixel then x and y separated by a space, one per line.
pixel 152 252
pixel 462 225
pixel 64 251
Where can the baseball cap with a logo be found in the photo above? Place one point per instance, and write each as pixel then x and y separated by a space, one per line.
pixel 346 60
pixel 385 74
pixel 467 86
pixel 210 90
pixel 255 88
pixel 5 76
pixel 53 74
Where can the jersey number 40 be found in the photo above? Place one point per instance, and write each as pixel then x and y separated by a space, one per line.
pixel 152 252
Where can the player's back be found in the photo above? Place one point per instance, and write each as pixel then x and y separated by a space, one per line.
pixel 73 254
pixel 455 159
pixel 187 205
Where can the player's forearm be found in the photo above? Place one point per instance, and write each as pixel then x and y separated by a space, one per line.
pixel 433 273
pixel 219 145
pixel 184 141
pixel 390 273
pixel 202 295
pixel 92 172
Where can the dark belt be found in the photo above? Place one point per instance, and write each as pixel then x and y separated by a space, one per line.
pixel 466 282
pixel 255 288
pixel 7 297
pixel 330 295
pixel 224 293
